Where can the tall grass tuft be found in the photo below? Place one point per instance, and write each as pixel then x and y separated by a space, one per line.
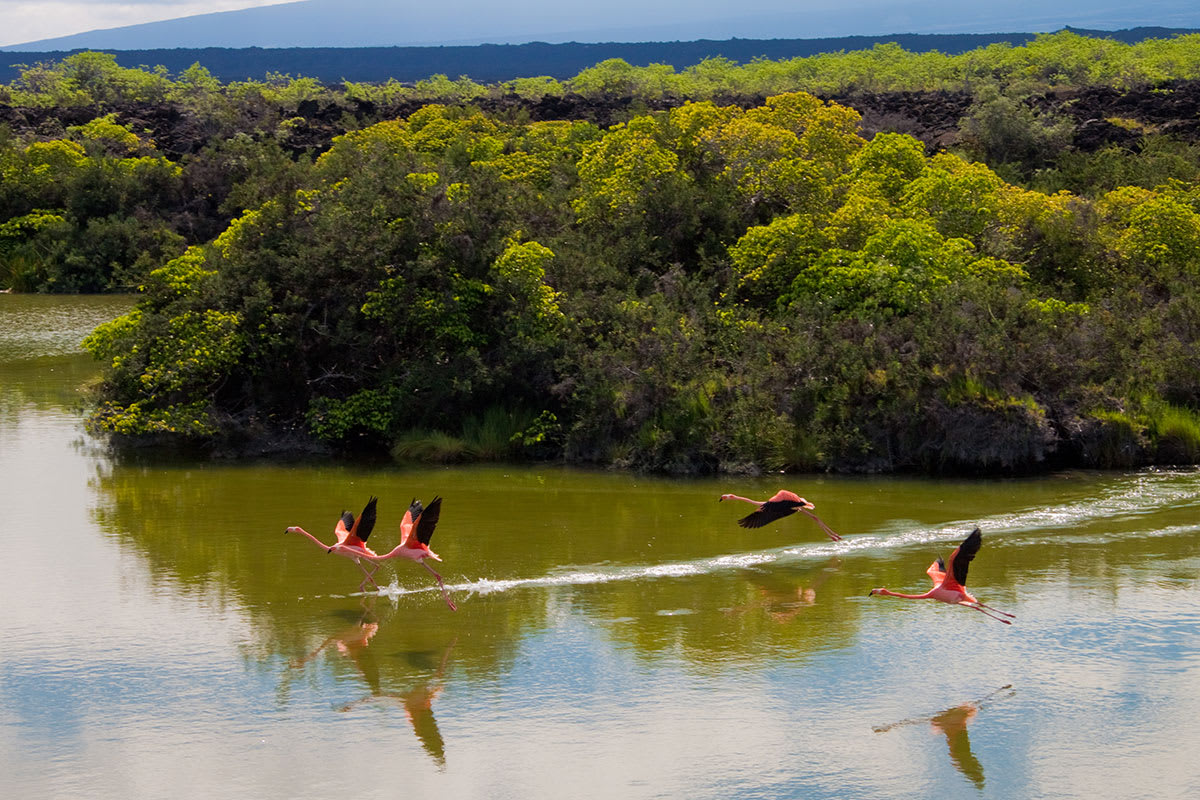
pixel 494 435
pixel 21 273
pixel 1120 441
pixel 1158 432
pixel 1176 432
pixel 490 436
pixel 432 447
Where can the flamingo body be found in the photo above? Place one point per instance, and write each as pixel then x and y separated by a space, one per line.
pixel 416 531
pixel 782 504
pixel 949 584
pixel 351 538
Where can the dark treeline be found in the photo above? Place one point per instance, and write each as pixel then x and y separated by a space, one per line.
pixel 496 63
pixel 876 260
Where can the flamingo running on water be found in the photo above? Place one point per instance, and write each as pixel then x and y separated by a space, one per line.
pixel 783 504
pixel 351 541
pixel 416 529
pixel 949 583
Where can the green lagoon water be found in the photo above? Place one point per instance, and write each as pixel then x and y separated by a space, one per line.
pixel 618 635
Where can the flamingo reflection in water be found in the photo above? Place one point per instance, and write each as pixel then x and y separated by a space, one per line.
pixel 782 599
pixel 353 643
pixel 952 723
pixel 417 703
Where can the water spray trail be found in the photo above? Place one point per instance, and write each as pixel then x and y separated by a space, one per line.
pixel 1150 492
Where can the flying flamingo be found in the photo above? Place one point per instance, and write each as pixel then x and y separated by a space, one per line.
pixel 783 504
pixel 416 529
pixel 949 585
pixel 351 539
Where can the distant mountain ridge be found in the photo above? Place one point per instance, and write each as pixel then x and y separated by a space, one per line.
pixel 496 63
pixel 386 23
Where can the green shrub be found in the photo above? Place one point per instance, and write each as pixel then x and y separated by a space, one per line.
pixel 1176 432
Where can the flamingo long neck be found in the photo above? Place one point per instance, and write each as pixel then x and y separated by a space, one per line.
pixel 319 543
pixel 353 551
pixel 890 593
pixel 416 552
pixel 393 553
pixel 744 499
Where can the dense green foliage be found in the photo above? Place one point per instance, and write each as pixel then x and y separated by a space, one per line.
pixel 1047 60
pixel 699 287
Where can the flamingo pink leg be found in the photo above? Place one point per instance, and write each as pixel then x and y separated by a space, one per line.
pixel 445 593
pixel 980 608
pixel 828 530
pixel 370 576
pixel 998 611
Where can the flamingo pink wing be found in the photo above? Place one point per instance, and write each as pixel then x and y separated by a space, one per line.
pixel 406 526
pixel 342 531
pixel 937 571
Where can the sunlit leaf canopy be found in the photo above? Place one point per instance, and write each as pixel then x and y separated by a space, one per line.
pixel 713 285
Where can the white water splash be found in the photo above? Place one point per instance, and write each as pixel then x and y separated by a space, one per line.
pixel 1145 494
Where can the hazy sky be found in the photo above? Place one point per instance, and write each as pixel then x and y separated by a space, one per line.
pixel 447 21
pixel 30 20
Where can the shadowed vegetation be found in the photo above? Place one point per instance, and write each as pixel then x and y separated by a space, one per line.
pixel 659 283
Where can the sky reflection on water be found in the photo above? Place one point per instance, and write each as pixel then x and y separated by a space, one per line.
pixel 618 635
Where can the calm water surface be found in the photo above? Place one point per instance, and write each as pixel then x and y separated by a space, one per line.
pixel 618 635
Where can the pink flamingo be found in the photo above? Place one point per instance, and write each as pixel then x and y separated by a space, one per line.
pixel 416 529
pixel 783 504
pixel 949 584
pixel 351 539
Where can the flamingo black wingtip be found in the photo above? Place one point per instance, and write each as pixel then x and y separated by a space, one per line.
pixel 427 519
